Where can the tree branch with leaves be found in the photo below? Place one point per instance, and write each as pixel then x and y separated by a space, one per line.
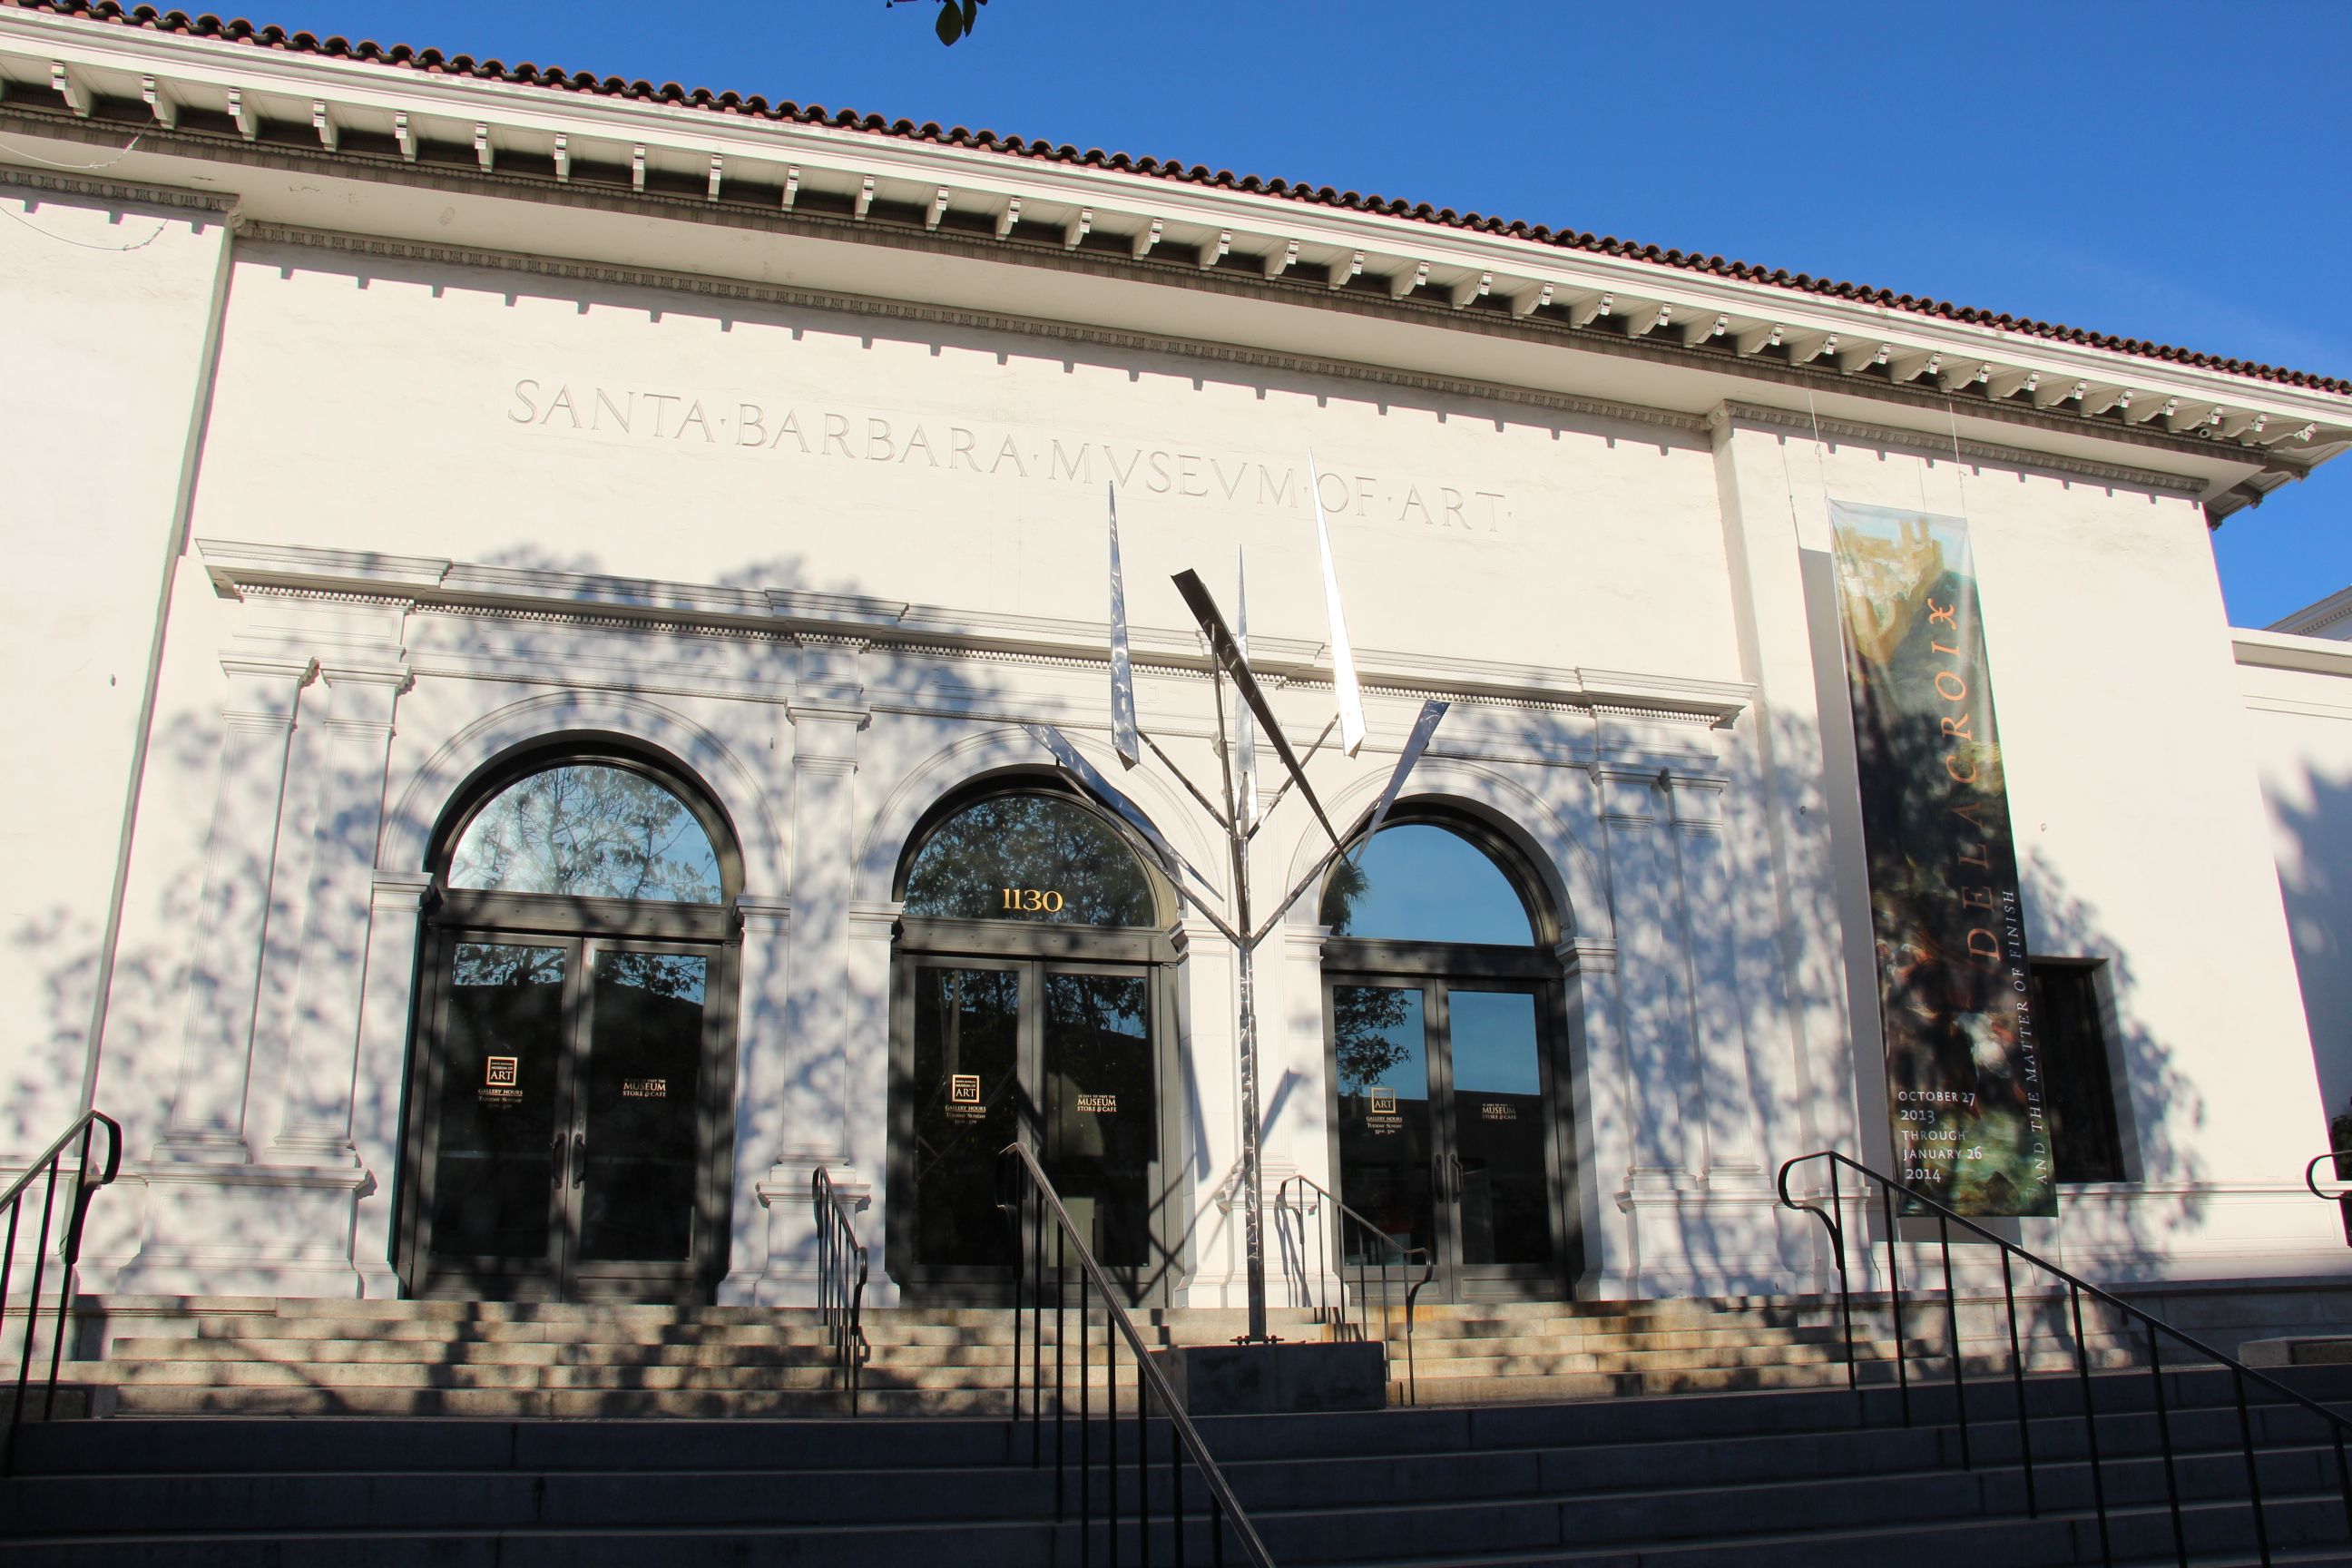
pixel 955 18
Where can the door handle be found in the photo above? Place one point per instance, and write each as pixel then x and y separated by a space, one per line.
pixel 579 1159
pixel 555 1161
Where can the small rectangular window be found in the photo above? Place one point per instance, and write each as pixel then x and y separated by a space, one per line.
pixel 2078 1085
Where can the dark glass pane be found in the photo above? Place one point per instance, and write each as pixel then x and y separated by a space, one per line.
pixel 588 832
pixel 2080 1096
pixel 1422 883
pixel 491 1177
pixel 1029 858
pixel 967 1109
pixel 1499 1128
pixel 1384 1130
pixel 642 1081
pixel 1102 1110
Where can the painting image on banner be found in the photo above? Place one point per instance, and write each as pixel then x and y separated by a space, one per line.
pixel 1964 1085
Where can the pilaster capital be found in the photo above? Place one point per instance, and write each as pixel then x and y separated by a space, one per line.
pixel 339 673
pixel 1630 798
pixel 263 690
pixel 831 686
pixel 1697 804
pixel 875 920
pixel 1586 955
pixel 764 913
pixel 362 696
pixel 1305 940
pixel 400 892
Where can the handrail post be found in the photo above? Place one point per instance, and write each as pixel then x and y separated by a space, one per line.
pixel 68 1256
pixel 32 1309
pixel 2091 1427
pixel 2253 1469
pixel 2017 1377
pixel 1895 1303
pixel 2164 1436
pixel 1952 1299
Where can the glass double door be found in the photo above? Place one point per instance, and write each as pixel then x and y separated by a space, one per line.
pixel 1060 1056
pixel 1444 1135
pixel 567 1145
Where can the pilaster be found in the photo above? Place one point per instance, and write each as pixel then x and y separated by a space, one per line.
pixel 207 1119
pixel 792 1098
pixel 1653 982
pixel 1776 545
pixel 331 975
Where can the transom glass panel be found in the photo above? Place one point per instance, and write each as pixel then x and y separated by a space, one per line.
pixel 1038 858
pixel 1419 882
pixel 588 831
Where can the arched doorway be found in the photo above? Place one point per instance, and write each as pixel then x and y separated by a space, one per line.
pixel 1451 1126
pixel 571 1084
pixel 1031 1000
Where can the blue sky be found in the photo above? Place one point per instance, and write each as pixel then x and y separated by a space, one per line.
pixel 2158 170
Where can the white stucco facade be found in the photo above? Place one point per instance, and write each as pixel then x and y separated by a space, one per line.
pixel 2298 685
pixel 339 476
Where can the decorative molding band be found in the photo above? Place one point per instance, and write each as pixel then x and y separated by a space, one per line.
pixel 1933 446
pixel 703 286
pixel 69 185
pixel 2299 709
pixel 556 598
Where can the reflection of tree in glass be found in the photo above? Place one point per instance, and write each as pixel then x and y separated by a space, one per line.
pixel 660 974
pixel 493 964
pixel 1364 1021
pixel 592 833
pixel 1038 843
pixel 1347 884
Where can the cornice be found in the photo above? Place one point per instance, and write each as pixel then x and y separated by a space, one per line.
pixel 2317 620
pixel 1944 447
pixel 1016 210
pixel 2284 650
pixel 704 285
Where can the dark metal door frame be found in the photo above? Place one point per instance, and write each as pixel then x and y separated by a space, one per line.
pixel 560 1275
pixel 1032 954
pixel 1437 970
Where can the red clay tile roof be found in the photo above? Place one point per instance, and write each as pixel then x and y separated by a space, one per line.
pixel 434 62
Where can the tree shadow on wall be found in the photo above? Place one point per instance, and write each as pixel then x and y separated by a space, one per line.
pixel 2311 815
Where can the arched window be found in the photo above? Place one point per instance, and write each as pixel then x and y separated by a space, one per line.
pixel 588 830
pixel 1030 857
pixel 1449 1082
pixel 1032 994
pixel 570 1094
pixel 1421 882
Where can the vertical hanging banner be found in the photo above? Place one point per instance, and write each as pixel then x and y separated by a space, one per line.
pixel 1964 1084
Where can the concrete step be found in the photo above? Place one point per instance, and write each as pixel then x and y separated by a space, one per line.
pixel 532 1405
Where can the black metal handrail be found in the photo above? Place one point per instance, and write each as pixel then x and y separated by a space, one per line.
pixel 1345 1225
pixel 2343 1160
pixel 86 1180
pixel 841 1268
pixel 1030 1203
pixel 2076 1290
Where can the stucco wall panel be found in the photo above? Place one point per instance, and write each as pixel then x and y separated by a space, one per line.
pixel 599 429
pixel 107 306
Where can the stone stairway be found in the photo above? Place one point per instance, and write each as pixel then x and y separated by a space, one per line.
pixel 1792 1478
pixel 224 1356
